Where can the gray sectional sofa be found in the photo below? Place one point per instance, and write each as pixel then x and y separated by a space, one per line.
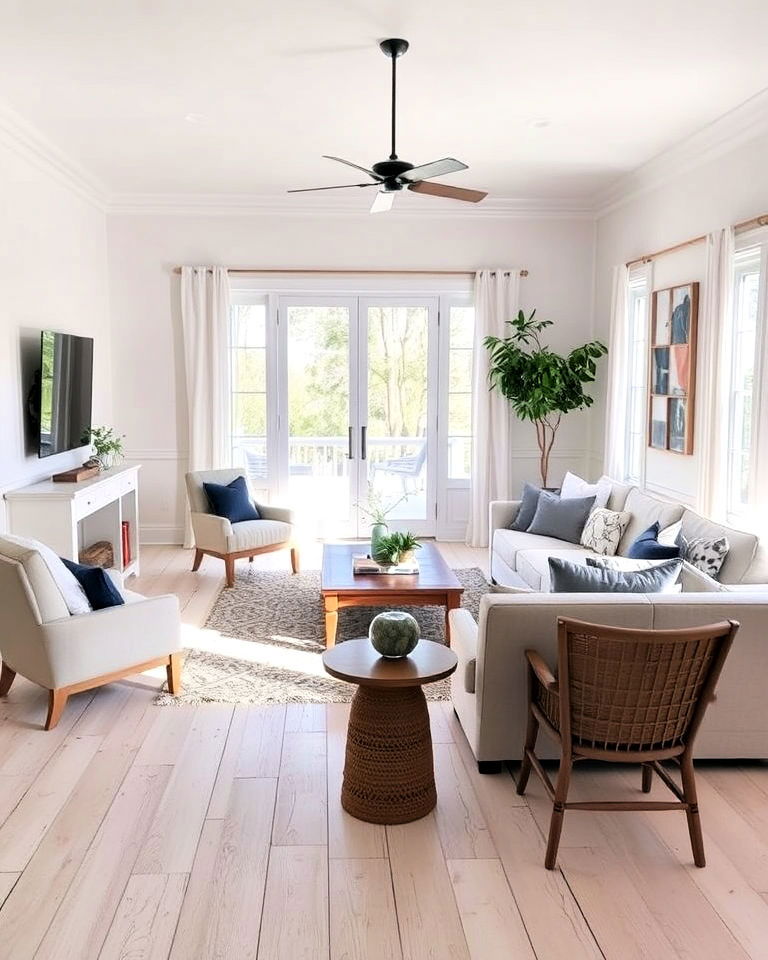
pixel 489 688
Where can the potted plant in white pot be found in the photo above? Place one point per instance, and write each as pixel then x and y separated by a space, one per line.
pixel 107 446
pixel 377 512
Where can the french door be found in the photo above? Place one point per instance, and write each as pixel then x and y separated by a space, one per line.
pixel 357 410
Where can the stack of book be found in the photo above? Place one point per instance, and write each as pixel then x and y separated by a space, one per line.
pixel 363 564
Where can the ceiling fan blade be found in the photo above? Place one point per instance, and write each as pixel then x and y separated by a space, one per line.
pixel 383 201
pixel 355 165
pixel 341 186
pixel 444 190
pixel 437 168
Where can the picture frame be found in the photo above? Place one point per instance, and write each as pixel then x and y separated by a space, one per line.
pixel 672 368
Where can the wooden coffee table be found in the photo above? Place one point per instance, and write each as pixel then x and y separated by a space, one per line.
pixel 434 585
pixel 388 771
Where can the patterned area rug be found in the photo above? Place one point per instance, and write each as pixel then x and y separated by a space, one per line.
pixel 281 615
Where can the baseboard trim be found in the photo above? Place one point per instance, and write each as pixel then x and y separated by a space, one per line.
pixel 161 533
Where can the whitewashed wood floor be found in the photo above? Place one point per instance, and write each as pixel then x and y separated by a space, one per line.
pixel 139 832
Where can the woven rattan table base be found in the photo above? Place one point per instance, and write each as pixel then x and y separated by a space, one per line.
pixel 388 773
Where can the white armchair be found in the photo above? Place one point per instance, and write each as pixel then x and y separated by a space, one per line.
pixel 43 642
pixel 217 537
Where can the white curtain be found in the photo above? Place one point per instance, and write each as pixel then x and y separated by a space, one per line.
pixel 713 367
pixel 497 299
pixel 205 324
pixel 617 396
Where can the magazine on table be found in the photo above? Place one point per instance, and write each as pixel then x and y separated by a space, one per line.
pixel 364 564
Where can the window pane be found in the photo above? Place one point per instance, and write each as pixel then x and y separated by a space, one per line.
pixel 462 320
pixel 747 288
pixel 250 371
pixel 249 415
pixel 249 325
pixel 460 376
pixel 459 457
pixel 459 415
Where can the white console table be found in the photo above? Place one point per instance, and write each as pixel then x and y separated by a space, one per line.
pixel 70 516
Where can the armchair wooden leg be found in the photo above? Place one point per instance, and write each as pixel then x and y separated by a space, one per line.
pixel 229 567
pixel 531 732
pixel 57 700
pixel 173 673
pixel 7 676
pixel 198 560
pixel 647 777
pixel 250 559
pixel 295 565
pixel 692 811
pixel 558 812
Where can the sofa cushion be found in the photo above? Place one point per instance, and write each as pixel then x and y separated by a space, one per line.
pixel 528 503
pixel 619 493
pixel 646 510
pixel 560 518
pixel 603 530
pixel 567 577
pixel 56 590
pixel 574 486
pixel 533 565
pixel 742 547
pixel 508 543
pixel 251 534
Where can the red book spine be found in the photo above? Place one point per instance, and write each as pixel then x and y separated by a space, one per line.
pixel 126 544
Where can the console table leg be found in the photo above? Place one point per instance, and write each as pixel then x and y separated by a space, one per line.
pixel 331 620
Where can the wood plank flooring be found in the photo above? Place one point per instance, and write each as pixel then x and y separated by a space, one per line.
pixel 137 832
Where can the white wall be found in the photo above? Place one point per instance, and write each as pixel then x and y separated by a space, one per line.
pixel 53 274
pixel 144 297
pixel 731 188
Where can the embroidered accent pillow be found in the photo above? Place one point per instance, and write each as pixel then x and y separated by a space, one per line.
pixel 706 555
pixel 604 529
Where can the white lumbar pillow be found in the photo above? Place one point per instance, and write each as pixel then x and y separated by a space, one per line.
pixel 574 487
pixel 73 594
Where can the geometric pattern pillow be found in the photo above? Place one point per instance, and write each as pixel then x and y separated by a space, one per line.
pixel 604 529
pixel 705 555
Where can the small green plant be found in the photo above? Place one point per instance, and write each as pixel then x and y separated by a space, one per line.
pixel 375 508
pixel 394 546
pixel 107 445
pixel 541 385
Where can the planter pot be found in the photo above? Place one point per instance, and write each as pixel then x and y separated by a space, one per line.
pixel 378 530
pixel 394 633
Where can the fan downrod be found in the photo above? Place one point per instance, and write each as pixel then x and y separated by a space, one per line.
pixel 393 47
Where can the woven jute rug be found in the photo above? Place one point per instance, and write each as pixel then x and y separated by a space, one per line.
pixel 281 616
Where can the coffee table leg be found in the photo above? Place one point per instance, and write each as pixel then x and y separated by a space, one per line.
pixel 331 619
pixel 388 773
pixel 452 602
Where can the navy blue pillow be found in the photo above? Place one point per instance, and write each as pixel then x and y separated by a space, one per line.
pixel 98 587
pixel 231 500
pixel 647 546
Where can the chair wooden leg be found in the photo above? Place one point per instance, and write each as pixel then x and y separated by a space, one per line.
pixel 7 676
pixel 295 566
pixel 647 777
pixel 229 568
pixel 198 560
pixel 531 732
pixel 250 559
pixel 692 811
pixel 173 673
pixel 558 812
pixel 57 700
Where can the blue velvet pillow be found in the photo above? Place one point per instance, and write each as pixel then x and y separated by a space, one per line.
pixel 647 547
pixel 98 587
pixel 231 500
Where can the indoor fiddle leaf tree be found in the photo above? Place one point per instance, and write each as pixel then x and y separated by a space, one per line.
pixel 539 384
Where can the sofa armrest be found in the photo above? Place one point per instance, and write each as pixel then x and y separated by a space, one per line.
pixel 116 577
pixel 283 514
pixel 500 514
pixel 211 532
pixel 464 644
pixel 106 641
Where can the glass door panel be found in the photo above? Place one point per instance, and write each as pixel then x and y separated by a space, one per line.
pixel 248 374
pixel 319 338
pixel 398 409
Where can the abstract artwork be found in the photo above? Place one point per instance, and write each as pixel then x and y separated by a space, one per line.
pixel 673 368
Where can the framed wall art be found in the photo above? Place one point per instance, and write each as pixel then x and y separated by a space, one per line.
pixel 672 368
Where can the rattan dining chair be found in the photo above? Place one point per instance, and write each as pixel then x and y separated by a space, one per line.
pixel 626 696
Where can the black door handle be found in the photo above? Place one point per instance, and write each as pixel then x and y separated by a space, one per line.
pixel 363 443
pixel 350 454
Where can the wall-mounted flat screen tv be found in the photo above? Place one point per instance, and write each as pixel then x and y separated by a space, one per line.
pixel 66 388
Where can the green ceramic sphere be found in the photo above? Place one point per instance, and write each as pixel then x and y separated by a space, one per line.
pixel 394 633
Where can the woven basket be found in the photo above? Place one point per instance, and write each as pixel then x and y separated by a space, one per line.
pixel 99 554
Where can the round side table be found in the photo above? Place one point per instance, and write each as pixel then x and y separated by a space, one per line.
pixel 388 772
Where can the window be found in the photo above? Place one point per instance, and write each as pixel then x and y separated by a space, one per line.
pixel 744 352
pixel 461 337
pixel 248 372
pixel 637 347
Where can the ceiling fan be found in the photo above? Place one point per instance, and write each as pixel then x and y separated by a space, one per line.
pixel 394 174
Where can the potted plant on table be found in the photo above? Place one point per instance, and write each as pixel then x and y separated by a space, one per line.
pixel 539 384
pixel 396 548
pixel 107 446
pixel 377 511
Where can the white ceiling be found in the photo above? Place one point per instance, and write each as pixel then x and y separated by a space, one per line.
pixel 278 84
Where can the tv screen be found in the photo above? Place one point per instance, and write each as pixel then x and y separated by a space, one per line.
pixel 66 386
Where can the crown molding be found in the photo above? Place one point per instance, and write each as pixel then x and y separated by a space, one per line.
pixel 27 141
pixel 746 122
pixel 249 205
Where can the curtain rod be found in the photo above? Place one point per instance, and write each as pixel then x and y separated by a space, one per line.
pixel 760 221
pixel 419 273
